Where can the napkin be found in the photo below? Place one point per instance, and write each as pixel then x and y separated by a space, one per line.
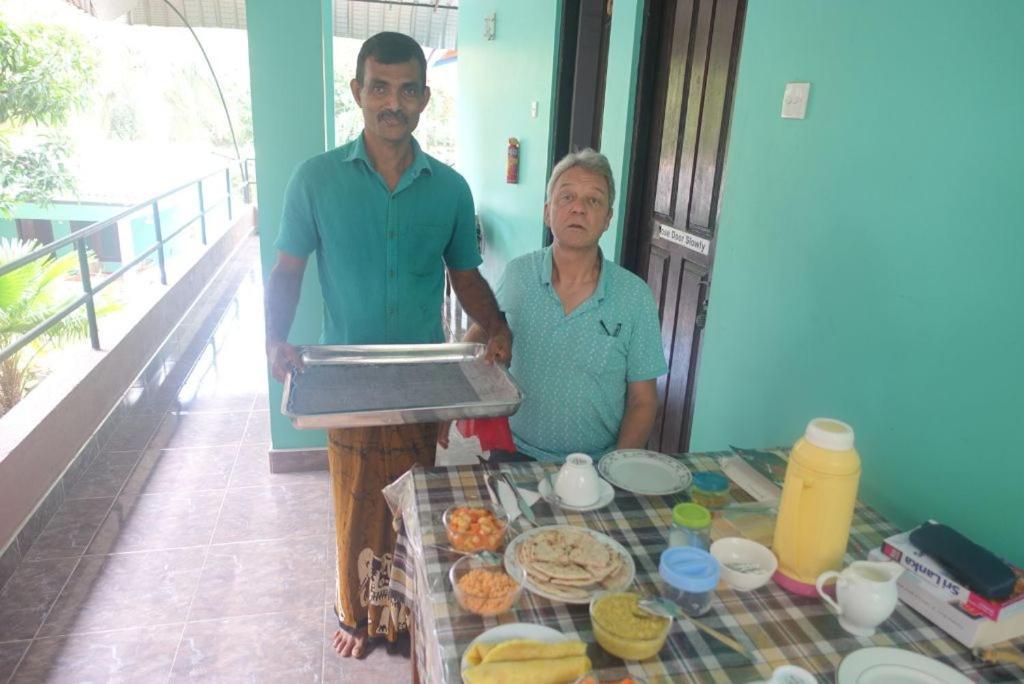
pixel 507 499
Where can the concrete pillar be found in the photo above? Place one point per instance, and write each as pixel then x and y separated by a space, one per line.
pixel 290 68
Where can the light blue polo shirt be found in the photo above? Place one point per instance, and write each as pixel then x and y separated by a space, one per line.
pixel 379 253
pixel 574 369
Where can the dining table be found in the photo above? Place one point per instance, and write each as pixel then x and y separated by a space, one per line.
pixel 778 627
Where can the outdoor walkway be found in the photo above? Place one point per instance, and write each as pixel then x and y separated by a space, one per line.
pixel 177 555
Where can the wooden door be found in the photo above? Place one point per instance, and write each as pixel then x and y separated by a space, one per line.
pixel 695 45
pixel 40 230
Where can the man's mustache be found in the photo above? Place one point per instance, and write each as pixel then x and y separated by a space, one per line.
pixel 394 115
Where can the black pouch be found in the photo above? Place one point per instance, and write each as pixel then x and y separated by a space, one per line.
pixel 971 565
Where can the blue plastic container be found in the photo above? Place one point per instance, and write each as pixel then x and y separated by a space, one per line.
pixel 692 575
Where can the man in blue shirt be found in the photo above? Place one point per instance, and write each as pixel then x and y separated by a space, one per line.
pixel 384 220
pixel 587 347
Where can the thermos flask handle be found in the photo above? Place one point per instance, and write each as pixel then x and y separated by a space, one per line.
pixel 791 492
pixel 820 586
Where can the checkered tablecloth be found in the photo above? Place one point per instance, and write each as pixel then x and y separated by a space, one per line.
pixel 783 628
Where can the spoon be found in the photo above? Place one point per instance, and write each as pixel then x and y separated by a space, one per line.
pixel 553 496
pixel 486 556
pixel 666 608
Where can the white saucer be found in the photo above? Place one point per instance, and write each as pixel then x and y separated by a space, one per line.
pixel 895 666
pixel 605 497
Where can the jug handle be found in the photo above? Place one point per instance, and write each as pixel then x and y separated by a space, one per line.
pixel 791 502
pixel 820 586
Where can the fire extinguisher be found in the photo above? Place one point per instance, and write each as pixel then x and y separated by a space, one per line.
pixel 512 163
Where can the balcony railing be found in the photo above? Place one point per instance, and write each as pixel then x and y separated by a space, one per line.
pixel 79 238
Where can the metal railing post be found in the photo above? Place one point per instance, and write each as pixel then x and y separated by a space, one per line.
pixel 227 184
pixel 159 243
pixel 202 214
pixel 90 305
pixel 245 181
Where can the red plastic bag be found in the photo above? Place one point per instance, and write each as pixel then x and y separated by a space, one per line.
pixel 493 433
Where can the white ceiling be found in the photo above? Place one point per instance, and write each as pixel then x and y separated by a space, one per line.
pixel 432 23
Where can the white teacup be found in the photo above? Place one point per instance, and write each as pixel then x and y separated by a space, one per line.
pixel 577 482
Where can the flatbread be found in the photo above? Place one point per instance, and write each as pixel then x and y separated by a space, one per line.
pixel 574 593
pixel 571 563
pixel 616 579
pixel 592 555
pixel 561 571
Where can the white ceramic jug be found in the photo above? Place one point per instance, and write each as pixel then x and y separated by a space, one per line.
pixel 866 595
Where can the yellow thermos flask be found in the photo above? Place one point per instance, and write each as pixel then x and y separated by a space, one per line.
pixel 818 497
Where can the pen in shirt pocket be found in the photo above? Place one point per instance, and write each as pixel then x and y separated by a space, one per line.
pixel 610 333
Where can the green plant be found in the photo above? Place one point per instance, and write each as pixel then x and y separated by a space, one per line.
pixel 28 296
pixel 45 75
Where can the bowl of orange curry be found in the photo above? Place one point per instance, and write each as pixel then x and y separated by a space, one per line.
pixel 484 588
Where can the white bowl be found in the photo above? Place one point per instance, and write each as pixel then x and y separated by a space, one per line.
pixel 737 551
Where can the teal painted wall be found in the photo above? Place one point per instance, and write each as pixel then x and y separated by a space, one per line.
pixel 287 68
pixel 8 228
pixel 498 81
pixel 869 257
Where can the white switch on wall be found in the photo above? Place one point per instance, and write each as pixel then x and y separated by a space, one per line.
pixel 794 100
pixel 534 106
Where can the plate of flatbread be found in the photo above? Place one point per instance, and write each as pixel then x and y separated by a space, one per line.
pixel 569 564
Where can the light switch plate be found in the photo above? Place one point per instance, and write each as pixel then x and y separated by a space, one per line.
pixel 794 100
pixel 534 107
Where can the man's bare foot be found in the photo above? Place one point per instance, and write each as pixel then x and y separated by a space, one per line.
pixel 349 645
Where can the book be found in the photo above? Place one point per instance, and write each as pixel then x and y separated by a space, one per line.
pixel 949 615
pixel 759 473
pixel 899 548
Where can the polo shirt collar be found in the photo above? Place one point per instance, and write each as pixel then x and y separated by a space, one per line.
pixel 420 161
pixel 548 263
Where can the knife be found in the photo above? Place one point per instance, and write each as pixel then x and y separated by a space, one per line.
pixel 524 507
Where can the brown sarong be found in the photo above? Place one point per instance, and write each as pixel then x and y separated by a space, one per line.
pixel 363 461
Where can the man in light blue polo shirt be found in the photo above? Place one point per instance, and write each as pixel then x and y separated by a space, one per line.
pixel 384 220
pixel 586 346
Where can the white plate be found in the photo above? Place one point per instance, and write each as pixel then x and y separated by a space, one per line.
pixel 895 666
pixel 515 630
pixel 644 472
pixel 606 496
pixel 513 567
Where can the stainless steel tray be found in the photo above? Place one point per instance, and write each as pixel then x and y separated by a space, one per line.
pixel 366 385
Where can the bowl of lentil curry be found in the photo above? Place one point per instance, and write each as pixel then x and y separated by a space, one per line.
pixel 484 588
pixel 623 629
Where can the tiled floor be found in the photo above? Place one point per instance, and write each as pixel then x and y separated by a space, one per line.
pixel 177 555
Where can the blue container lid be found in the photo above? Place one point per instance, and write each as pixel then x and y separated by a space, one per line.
pixel 710 482
pixel 689 569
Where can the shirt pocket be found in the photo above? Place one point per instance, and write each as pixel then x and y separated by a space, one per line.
pixel 602 356
pixel 423 249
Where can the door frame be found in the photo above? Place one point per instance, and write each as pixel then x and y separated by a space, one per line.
pixel 640 163
pixel 581 77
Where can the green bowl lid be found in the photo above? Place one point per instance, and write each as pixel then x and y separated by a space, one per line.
pixel 691 515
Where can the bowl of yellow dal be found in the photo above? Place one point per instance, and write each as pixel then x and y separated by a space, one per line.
pixel 623 629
